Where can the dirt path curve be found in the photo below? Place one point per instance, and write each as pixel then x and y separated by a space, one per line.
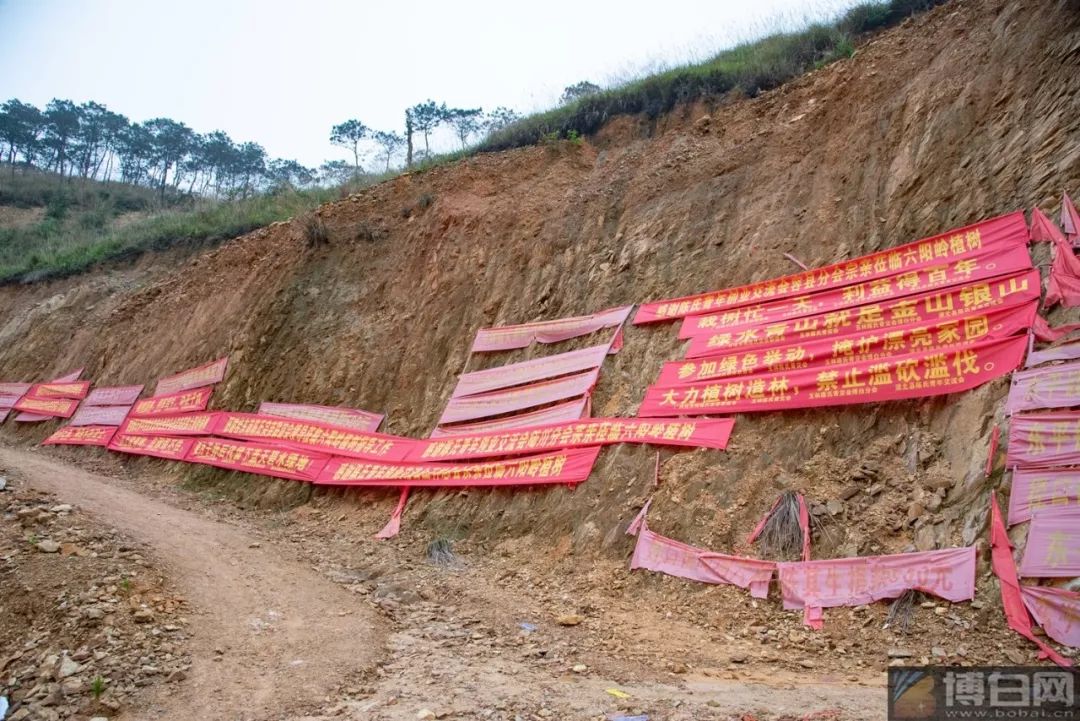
pixel 288 634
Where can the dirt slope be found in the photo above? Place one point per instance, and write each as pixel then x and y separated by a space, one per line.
pixel 961 114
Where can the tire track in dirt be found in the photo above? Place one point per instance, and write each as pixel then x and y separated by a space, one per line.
pixel 270 634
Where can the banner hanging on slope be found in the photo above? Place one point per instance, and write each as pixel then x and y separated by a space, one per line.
pixel 538 369
pixel 520 398
pixel 113 396
pixel 354 418
pixel 980 240
pixel 204 375
pixel 1053 387
pixel 1056 610
pixel 75 390
pixel 1037 488
pixel 313 436
pixel 1053 544
pixel 263 459
pixel 100 415
pixel 560 413
pixel 174 449
pixel 549 331
pixel 81 436
pixel 1044 439
pixel 183 402
pixel 47 407
pixel 184 424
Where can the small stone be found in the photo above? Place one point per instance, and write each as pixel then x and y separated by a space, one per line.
pixel 569 619
pixel 143 615
pixel 580 668
pixel 67 668
pixel 3 483
pixel 900 653
pixel 940 610
pixel 977 604
pixel 100 718
pixel 738 658
pixel 806 663
pixel 938 652
pixel 426 714
pixel 48 546
pixel 835 507
pixel 62 508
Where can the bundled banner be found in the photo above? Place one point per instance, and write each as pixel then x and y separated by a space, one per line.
pixel 75 390
pixel 184 424
pixel 914 375
pixel 948 573
pixel 260 458
pixel 1053 387
pixel 100 415
pixel 113 396
pixel 81 436
pixel 205 375
pixel 182 402
pixel 174 449
pixel 936 306
pixel 1053 544
pixel 516 374
pixel 560 413
pixel 1036 488
pixel 1044 439
pixel 313 436
pixel 353 418
pixel 823 352
pixel 1010 263
pixel 571 467
pixel 516 399
pixel 47 407
pixel 1057 610
pixel 977 241
pixel 704 433
pixel 551 331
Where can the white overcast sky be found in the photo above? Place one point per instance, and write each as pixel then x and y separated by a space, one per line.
pixel 282 73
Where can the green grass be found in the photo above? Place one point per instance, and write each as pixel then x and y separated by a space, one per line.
pixel 750 67
pixel 30 188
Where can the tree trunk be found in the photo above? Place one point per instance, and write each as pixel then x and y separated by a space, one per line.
pixel 408 136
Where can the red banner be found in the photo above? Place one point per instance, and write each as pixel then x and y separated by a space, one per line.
pixel 971 242
pixel 75 390
pixel 1070 219
pixel 1035 488
pixel 70 377
pixel 50 407
pixel 1052 387
pixel 571 467
pixel 1043 229
pixel 183 402
pixel 100 415
pixel 263 459
pixel 1053 544
pixel 1057 610
pixel 914 375
pixel 860 346
pixel 205 375
pixel 1044 439
pixel 548 331
pixel 1063 352
pixel 184 424
pixel 948 573
pixel 81 436
pixel 32 418
pixel 174 449
pixel 1064 284
pixel 8 402
pixel 312 435
pixel 560 413
pixel 113 396
pixel 935 306
pixel 516 399
pixel 516 374
pixel 15 389
pixel 354 418
pixel 704 433
pixel 935 280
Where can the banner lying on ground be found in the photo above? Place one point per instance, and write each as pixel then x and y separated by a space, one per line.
pixel 825 352
pixel 549 331
pixel 1052 387
pixel 704 433
pixel 973 241
pixel 100 415
pixel 184 424
pixel 81 436
pixel 15 389
pixel 75 390
pixel 354 418
pixel 158 446
pixel 560 413
pixel 1037 488
pixel 516 374
pixel 25 417
pixel 1044 439
pixel 936 306
pixel 1057 610
pixel 1053 544
pixel 47 407
pixel 113 396
pixel 914 375
pixel 940 279
pixel 313 436
pixel 182 402
pixel 571 467
pixel 204 375
pixel 516 399
pixel 814 585
pixel 261 458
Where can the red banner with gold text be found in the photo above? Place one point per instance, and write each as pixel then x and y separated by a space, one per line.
pixel 81 436
pixel 263 459
pixel 354 418
pixel 53 407
pixel 312 435
pixel 182 402
pixel 174 449
pixel 183 424
pixel 204 375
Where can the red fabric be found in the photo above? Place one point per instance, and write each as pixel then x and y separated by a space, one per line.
pixel 804 524
pixel 1043 229
pixel 81 436
pixel 354 418
pixel 1045 334
pixel 158 446
pixel 48 407
pixel 74 389
pixel 1053 543
pixel 182 424
pixel 616 341
pixel 570 467
pixel 70 377
pixel 393 526
pixel 530 371
pixel 761 524
pixel 1044 439
pixel 559 413
pixel 113 396
pixel 187 401
pixel 496 403
pixel 547 331
pixel 704 433
pixel 1064 284
pixel 100 415
pixel 1036 488
pixel 204 375
pixel 262 459
pixel 313 436
pixel 1057 610
pixel 973 241
pixel 15 389
pixel 914 375
pixel 1056 386
pixel 1001 560
pixel 1070 219
pixel 995 435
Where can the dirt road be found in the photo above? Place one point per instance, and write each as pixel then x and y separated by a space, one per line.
pixel 272 637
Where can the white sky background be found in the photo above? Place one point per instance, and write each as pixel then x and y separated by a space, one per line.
pixel 282 73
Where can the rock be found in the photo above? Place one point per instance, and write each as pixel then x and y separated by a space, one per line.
pixel 143 615
pixel 1016 657
pixel 569 619
pixel 3 483
pixel 916 510
pixel 580 668
pixel 835 507
pixel 701 125
pixel 62 508
pixel 426 714
pixel 48 546
pixel 900 653
pixel 806 663
pixel 100 718
pixel 850 491
pixel 938 652
pixel 67 668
